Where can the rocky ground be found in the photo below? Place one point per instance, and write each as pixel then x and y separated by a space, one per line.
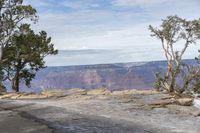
pixel 97 111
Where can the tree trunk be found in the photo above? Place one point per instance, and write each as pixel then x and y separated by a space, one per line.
pixel 1 75
pixel 1 53
pixel 171 88
pixel 15 87
pixel 15 82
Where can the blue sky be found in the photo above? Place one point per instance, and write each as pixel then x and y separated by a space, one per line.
pixel 108 24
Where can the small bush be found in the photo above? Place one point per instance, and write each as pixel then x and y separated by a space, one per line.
pixel 196 88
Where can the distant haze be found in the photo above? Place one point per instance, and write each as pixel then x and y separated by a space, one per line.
pixel 103 56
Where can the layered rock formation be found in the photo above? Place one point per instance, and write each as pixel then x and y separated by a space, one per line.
pixel 118 76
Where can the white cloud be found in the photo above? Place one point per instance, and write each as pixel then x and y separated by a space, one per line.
pixel 82 27
pixel 92 29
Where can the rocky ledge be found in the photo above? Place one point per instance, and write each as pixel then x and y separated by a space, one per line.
pixel 99 111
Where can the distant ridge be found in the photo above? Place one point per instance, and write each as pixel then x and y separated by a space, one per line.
pixel 116 76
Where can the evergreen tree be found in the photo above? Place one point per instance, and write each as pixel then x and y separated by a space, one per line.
pixel 25 55
pixel 12 14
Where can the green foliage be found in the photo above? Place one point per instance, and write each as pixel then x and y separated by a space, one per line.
pixel 25 55
pixel 158 81
pixel 196 88
pixel 12 15
pixel 198 58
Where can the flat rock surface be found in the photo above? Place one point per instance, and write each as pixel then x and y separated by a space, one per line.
pixel 12 122
pixel 107 113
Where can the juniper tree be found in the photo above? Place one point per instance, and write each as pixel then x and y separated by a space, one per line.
pixel 12 13
pixel 172 31
pixel 25 55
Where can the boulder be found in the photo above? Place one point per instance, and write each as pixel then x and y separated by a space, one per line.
pixel 10 96
pixel 20 96
pixel 161 102
pixel 184 101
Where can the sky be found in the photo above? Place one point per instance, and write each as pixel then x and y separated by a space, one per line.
pixel 110 24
